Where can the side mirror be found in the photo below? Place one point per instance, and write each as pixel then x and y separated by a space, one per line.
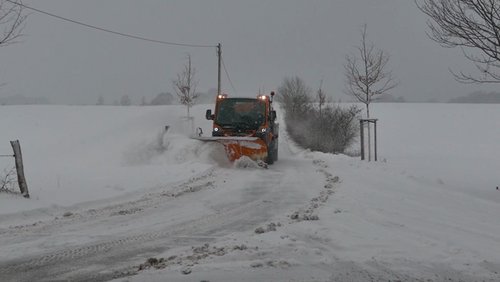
pixel 208 115
pixel 272 115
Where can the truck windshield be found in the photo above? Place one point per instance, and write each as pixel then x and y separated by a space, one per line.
pixel 241 113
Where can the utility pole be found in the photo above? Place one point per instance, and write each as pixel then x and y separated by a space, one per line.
pixel 219 56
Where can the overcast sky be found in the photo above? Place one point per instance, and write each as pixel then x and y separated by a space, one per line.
pixel 263 41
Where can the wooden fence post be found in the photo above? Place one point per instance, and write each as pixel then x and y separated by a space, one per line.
pixel 21 180
pixel 362 137
pixel 375 129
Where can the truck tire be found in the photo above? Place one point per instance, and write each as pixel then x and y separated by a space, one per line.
pixel 271 153
pixel 275 154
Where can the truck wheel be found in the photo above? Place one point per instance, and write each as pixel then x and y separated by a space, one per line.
pixel 271 153
pixel 275 154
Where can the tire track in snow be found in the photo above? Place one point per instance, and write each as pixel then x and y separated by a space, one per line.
pixel 150 201
pixel 147 201
pixel 231 217
pixel 309 213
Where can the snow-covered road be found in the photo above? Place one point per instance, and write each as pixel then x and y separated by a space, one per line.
pixel 117 198
pixel 100 241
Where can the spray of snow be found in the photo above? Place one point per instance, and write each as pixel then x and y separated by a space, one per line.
pixel 246 162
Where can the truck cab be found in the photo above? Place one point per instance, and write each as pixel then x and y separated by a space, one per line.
pixel 247 117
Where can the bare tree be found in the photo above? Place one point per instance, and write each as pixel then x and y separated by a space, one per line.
pixel 366 74
pixel 320 94
pixel 12 21
pixel 185 85
pixel 472 25
pixel 163 98
pixel 125 100
pixel 100 101
pixel 8 180
pixel 294 95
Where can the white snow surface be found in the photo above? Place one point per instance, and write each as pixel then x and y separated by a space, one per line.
pixel 111 189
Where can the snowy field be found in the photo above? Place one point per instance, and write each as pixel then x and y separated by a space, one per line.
pixel 115 197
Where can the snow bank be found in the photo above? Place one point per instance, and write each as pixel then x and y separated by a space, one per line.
pixel 74 154
pixel 427 210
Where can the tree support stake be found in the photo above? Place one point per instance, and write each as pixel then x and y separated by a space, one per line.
pixel 362 123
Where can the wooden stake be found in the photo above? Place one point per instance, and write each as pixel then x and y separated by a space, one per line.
pixel 21 180
pixel 362 141
pixel 375 129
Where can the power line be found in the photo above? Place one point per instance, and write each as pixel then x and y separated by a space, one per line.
pixel 227 75
pixel 124 34
pixel 108 30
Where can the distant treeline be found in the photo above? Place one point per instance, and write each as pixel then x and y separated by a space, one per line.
pixel 164 98
pixel 167 98
pixel 388 98
pixel 23 100
pixel 478 97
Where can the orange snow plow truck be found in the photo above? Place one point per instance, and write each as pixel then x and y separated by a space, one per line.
pixel 246 127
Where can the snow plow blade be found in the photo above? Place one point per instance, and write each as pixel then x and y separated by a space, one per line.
pixel 236 147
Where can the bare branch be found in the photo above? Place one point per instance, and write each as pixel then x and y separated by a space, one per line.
pixel 294 95
pixel 474 26
pixel 12 21
pixel 185 85
pixel 8 180
pixel 366 74
pixel 321 95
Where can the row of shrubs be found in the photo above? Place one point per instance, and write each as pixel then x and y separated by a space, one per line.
pixel 314 123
